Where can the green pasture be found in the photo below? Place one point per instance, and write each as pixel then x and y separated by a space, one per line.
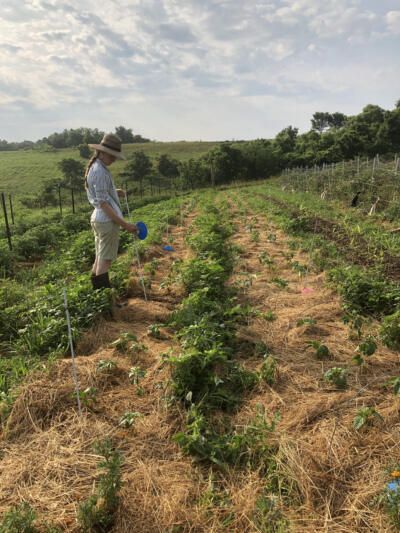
pixel 22 171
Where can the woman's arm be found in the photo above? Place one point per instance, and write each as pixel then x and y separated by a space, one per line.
pixel 106 207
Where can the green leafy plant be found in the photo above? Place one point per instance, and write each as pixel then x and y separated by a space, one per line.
pixel 98 512
pixel 306 321
pixel 136 374
pixel 106 365
pixel 269 316
pixel 368 346
pixel 282 283
pixel 299 268
pixel 336 376
pixel 128 419
pixel 365 416
pixel 265 259
pixel 321 350
pixel 268 371
pixel 155 331
pixel 19 519
pixel 390 331
pixel 395 384
pixel 268 516
pixel 88 396
pixel 127 343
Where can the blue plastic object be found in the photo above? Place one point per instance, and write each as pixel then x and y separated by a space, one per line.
pixel 142 230
pixel 393 490
pixel 168 248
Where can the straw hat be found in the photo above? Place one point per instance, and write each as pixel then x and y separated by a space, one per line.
pixel 110 144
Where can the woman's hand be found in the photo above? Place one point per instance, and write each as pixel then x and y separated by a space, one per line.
pixel 121 193
pixel 131 228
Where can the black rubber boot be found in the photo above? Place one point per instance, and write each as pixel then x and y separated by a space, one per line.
pixel 101 282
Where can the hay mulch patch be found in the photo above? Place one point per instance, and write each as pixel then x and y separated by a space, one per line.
pixel 339 472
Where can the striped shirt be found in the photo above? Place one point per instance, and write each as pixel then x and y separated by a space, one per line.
pixel 101 188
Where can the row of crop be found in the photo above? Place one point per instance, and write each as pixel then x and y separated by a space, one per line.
pixel 365 292
pixel 37 237
pixel 32 315
pixel 207 378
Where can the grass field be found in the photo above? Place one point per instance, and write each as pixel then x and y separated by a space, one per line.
pixel 23 171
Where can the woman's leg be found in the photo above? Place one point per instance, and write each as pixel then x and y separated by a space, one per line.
pixel 94 267
pixel 102 266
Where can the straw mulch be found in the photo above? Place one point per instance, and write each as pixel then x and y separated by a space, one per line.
pixel 340 472
pixel 331 473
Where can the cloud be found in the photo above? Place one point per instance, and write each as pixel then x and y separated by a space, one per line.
pixel 393 21
pixel 65 55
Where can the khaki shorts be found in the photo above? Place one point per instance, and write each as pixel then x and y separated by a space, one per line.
pixel 106 239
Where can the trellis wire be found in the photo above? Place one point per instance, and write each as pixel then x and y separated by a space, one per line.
pixel 341 181
pixel 71 345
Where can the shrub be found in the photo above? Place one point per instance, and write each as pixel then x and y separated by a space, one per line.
pixel 366 292
pixel 336 376
pixel 390 331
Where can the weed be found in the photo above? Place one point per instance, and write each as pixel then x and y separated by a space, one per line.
pixel 336 376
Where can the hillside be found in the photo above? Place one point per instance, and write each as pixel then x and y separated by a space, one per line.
pixel 22 171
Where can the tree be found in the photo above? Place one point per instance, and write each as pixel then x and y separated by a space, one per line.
pixel 73 171
pixel 167 166
pixel 320 121
pixel 286 140
pixel 124 134
pixel 226 164
pixel 84 151
pixel 138 168
pixel 195 173
pixel 336 120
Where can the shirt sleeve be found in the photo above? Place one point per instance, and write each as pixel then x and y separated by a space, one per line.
pixel 101 187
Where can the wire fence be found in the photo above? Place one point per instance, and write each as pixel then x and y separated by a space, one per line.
pixel 370 183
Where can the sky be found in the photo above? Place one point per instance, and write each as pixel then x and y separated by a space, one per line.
pixel 193 69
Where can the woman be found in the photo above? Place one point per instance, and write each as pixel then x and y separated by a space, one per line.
pixel 107 216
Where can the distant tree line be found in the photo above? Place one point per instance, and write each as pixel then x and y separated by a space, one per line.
pixel 73 138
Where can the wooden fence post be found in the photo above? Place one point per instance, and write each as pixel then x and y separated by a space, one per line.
pixel 3 200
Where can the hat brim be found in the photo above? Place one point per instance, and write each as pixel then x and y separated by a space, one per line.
pixel 102 148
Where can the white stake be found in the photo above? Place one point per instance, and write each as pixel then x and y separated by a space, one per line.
pixel 71 345
pixel 137 252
